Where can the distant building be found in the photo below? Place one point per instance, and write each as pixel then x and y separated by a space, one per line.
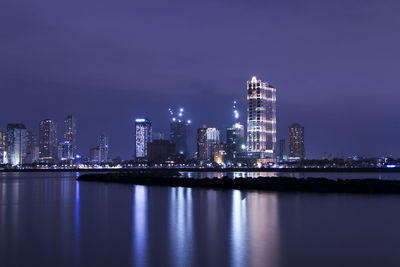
pixel 16 144
pixel 103 147
pixel 66 151
pixel 296 142
pixel 143 136
pixel 207 138
pixel 31 155
pixel 235 142
pixel 48 143
pixel 3 151
pixel 261 120
pixel 70 137
pixel 219 153
pixel 94 155
pixel 158 136
pixel 179 132
pixel 282 150
pixel 160 151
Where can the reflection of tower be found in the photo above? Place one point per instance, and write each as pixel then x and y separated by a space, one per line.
pixel 261 120
pixel 179 132
pixel 139 230
pixel 263 229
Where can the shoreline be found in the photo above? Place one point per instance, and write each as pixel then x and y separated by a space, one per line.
pixel 278 184
pixel 289 170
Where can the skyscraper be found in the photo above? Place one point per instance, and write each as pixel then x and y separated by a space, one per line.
pixel 48 145
pixel 282 150
pixel 235 136
pixel 103 147
pixel 70 136
pixel 296 142
pixel 207 138
pixel 261 119
pixel 16 144
pixel 30 147
pixel 143 136
pixel 3 151
pixel 179 132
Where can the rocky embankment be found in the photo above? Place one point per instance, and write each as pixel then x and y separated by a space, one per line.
pixel 281 184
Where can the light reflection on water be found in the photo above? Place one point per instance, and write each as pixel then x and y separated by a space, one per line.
pixel 55 221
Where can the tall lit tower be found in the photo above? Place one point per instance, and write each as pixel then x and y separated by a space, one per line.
pixel 70 136
pixel 179 131
pixel 143 136
pixel 3 151
pixel 48 145
pixel 261 120
pixel 103 147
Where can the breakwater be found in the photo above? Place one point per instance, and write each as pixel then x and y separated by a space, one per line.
pixel 280 184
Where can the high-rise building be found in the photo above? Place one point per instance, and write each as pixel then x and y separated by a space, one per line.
pixel 179 132
pixel 143 136
pixel 3 151
pixel 235 137
pixel 235 141
pixel 296 142
pixel 48 143
pixel 70 137
pixel 282 150
pixel 94 155
pixel 16 144
pixel 261 119
pixel 207 138
pixel 30 147
pixel 65 151
pixel 103 147
pixel 158 136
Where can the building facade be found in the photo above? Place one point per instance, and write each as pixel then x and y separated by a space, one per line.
pixel 296 142
pixel 70 138
pixel 235 142
pixel 31 155
pixel 103 147
pixel 282 150
pixel 3 151
pixel 261 119
pixel 143 136
pixel 16 144
pixel 207 138
pixel 179 132
pixel 48 143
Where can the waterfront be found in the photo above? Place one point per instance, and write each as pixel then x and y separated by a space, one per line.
pixel 49 219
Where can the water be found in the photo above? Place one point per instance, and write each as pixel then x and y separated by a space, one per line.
pixel 49 219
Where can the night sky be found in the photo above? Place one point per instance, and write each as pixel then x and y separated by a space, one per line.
pixel 335 65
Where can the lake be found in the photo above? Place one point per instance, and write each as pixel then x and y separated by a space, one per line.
pixel 50 219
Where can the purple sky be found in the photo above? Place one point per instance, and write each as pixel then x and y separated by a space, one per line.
pixel 335 65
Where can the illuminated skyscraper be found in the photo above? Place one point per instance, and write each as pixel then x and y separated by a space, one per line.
pixel 16 144
pixel 3 151
pixel 296 142
pixel 207 139
pixel 261 120
pixel 179 132
pixel 48 144
pixel 30 147
pixel 70 137
pixel 143 136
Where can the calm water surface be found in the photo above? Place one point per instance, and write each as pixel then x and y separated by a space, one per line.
pixel 49 219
